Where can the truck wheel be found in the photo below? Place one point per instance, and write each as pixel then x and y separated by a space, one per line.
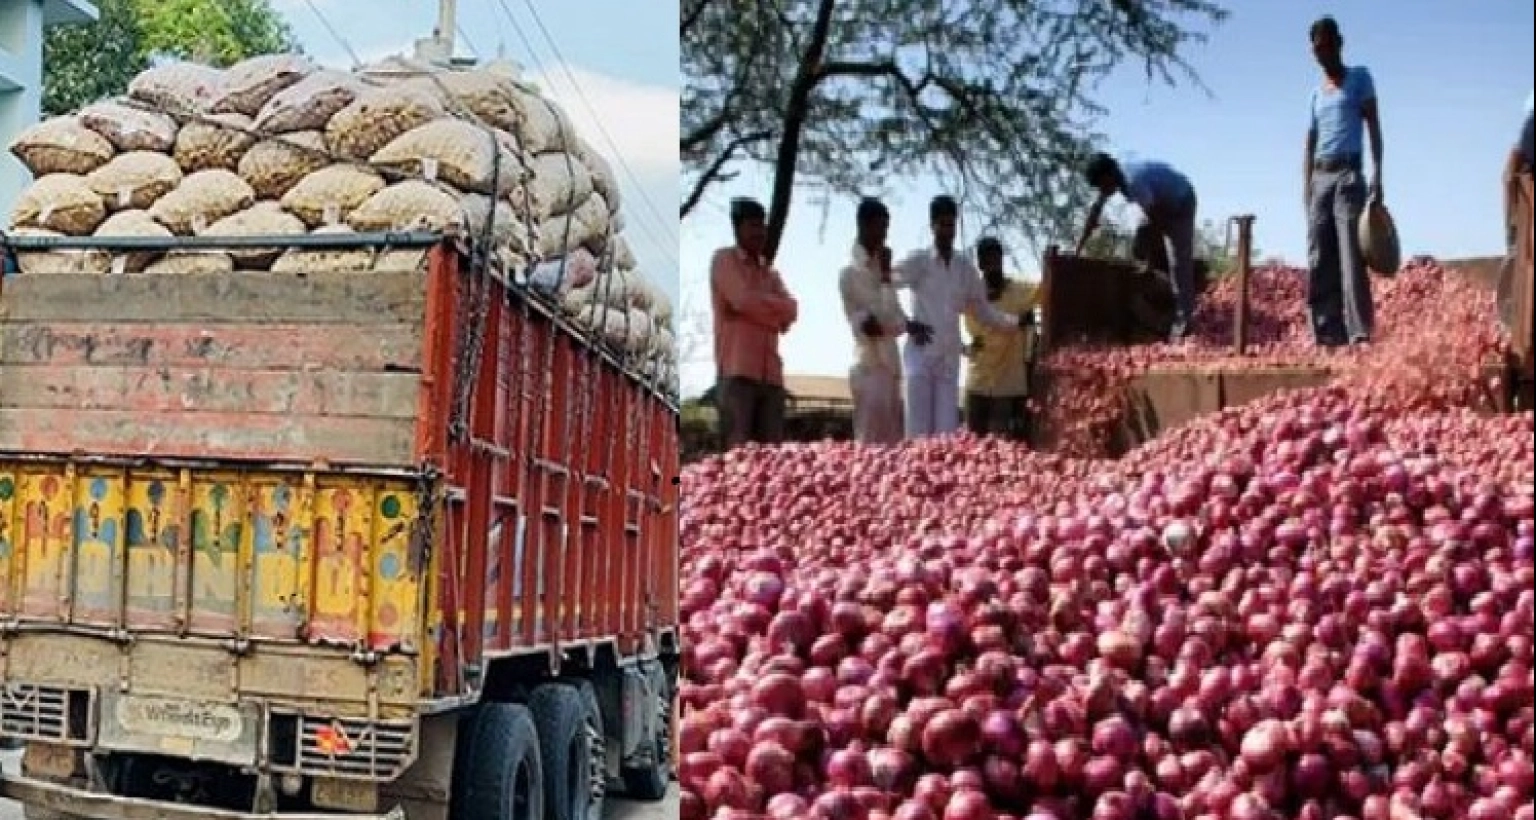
pixel 651 782
pixel 571 742
pixel 499 774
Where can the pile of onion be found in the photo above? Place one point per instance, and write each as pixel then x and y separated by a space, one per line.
pixel 1433 327
pixel 1315 607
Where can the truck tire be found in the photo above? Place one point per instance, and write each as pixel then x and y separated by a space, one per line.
pixel 499 774
pixel 651 782
pixel 571 744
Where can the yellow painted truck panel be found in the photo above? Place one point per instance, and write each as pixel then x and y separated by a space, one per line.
pixel 327 558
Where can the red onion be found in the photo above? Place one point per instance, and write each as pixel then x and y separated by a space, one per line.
pixel 1317 606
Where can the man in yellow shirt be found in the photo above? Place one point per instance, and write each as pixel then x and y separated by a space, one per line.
pixel 997 386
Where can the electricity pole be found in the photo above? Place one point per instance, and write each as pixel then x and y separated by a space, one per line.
pixel 439 47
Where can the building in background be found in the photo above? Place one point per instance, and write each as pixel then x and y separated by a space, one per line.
pixel 21 75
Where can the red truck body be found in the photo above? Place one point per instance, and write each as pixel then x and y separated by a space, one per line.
pixel 378 502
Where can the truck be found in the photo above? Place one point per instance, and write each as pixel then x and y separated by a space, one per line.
pixel 357 544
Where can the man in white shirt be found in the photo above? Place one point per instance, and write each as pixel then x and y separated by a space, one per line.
pixel 944 285
pixel 876 319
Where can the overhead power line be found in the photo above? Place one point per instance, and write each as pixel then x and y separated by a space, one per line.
pixel 661 231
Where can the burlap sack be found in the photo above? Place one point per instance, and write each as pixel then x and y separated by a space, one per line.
pixel 308 104
pixel 638 330
pixel 619 250
pixel 664 344
pixel 262 219
pixel 130 127
pixel 577 269
pixel 1378 240
pixel 487 96
pixel 639 292
pixel 180 88
pixel 202 199
pixel 61 145
pixel 60 202
pixel 454 151
pixel 578 299
pixel 317 260
pixel 182 263
pixel 135 180
pixel 376 117
pixel 603 180
pixel 611 289
pixel 559 184
pixel 274 166
pixel 625 330
pixel 132 224
pixel 217 141
pixel 251 84
pixel 661 306
pixel 63 261
pixel 409 205
pixel 587 226
pixel 330 195
pixel 545 125
pixel 507 229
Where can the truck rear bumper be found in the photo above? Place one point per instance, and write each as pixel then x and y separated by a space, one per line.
pixel 96 806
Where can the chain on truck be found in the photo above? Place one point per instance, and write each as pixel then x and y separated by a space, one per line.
pixel 341 544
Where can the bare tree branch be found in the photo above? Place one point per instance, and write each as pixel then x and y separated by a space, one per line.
pixel 691 16
pixel 795 114
pixel 716 171
pixel 708 130
pixel 998 98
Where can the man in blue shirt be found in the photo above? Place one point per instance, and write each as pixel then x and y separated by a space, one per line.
pixel 1167 202
pixel 1343 110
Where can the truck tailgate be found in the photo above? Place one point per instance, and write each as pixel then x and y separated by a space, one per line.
pixel 329 558
pixel 323 367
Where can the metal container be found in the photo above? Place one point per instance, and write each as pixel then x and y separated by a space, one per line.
pixel 1090 301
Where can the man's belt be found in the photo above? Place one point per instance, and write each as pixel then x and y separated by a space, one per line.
pixel 1333 165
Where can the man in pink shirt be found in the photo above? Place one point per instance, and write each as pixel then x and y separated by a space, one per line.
pixel 752 309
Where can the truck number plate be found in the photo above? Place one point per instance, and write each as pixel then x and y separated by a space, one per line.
pixel 211 722
pixel 330 793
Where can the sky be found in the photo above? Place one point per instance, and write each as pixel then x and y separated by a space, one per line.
pixel 622 56
pixel 1452 79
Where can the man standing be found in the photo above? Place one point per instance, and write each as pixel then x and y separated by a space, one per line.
pixel 752 309
pixel 876 318
pixel 1168 206
pixel 1516 169
pixel 1343 108
pixel 944 285
pixel 997 385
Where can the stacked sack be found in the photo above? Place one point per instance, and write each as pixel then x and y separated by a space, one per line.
pixel 278 146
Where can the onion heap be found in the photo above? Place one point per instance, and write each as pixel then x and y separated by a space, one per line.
pixel 1315 607
pixel 1089 381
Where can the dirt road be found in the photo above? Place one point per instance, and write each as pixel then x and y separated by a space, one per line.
pixel 619 810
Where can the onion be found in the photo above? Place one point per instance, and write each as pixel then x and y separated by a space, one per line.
pixel 1315 606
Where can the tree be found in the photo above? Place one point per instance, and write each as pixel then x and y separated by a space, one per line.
pixel 998 97
pixel 82 64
